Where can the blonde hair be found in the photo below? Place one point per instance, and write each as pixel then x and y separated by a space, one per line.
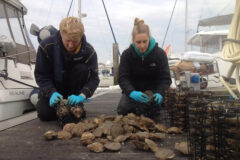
pixel 71 26
pixel 140 27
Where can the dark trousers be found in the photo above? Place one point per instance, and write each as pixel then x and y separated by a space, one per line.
pixel 74 82
pixel 45 112
pixel 128 105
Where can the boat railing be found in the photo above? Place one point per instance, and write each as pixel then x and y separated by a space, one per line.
pixel 3 69
pixel 25 52
pixel 14 56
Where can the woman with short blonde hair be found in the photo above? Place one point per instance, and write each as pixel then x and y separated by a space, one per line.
pixel 66 68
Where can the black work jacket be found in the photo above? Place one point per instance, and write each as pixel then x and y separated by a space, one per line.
pixel 51 65
pixel 144 73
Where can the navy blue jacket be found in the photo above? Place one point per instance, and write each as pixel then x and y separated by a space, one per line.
pixel 49 69
pixel 141 74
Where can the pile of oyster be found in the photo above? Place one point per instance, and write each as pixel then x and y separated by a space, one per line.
pixel 69 114
pixel 111 132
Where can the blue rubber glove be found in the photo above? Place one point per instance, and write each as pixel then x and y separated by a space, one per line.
pixel 74 99
pixel 139 96
pixel 55 98
pixel 158 98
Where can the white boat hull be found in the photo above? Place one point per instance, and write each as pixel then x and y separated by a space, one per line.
pixel 13 109
pixel 14 96
pixel 14 102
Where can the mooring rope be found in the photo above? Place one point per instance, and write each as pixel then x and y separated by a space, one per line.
pixel 231 51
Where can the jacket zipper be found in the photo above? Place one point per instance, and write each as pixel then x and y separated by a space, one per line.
pixel 142 59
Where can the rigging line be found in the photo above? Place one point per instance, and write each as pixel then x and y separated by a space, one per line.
pixel 175 23
pixel 169 23
pixel 3 84
pixel 200 16
pixel 100 26
pixel 208 9
pixel 109 22
pixel 73 9
pixel 5 76
pixel 110 26
pixel 69 8
pixel 50 10
pixel 201 12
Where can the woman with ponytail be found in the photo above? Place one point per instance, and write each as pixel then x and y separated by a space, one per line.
pixel 143 67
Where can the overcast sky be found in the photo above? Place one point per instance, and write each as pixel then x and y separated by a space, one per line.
pixel 156 13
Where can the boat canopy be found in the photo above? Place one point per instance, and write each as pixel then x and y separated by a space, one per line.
pixel 13 26
pixel 206 37
pixel 216 21
pixel 16 4
pixel 209 41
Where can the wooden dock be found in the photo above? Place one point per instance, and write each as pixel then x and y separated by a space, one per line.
pixel 26 141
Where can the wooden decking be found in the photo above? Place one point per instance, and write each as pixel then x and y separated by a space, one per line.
pixel 26 142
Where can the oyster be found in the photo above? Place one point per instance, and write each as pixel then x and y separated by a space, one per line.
pixel 140 136
pixel 87 138
pixel 140 145
pixel 182 147
pixel 69 127
pixel 78 112
pixel 78 129
pixel 98 132
pixel 152 145
pixel 62 111
pixel 156 136
pixel 163 153
pixel 64 135
pixel 50 135
pixel 96 147
pixel 103 141
pixel 106 126
pixel 174 130
pixel 161 127
pixel 113 146
pixel 128 129
pixel 121 138
pixel 116 130
pixel 150 95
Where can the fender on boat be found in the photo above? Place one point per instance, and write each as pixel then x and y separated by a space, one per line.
pixel 34 96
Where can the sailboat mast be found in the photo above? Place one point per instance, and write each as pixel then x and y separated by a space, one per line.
pixel 186 25
pixel 79 10
pixel 80 14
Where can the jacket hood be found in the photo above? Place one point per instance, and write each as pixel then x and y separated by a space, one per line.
pixel 151 46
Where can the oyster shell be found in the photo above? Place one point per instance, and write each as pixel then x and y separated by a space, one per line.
pixel 116 130
pixel 69 127
pixel 87 138
pixel 140 145
pixel 152 145
pixel 96 147
pixel 113 146
pixel 163 153
pixel 182 147
pixel 50 135
pixel 64 135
